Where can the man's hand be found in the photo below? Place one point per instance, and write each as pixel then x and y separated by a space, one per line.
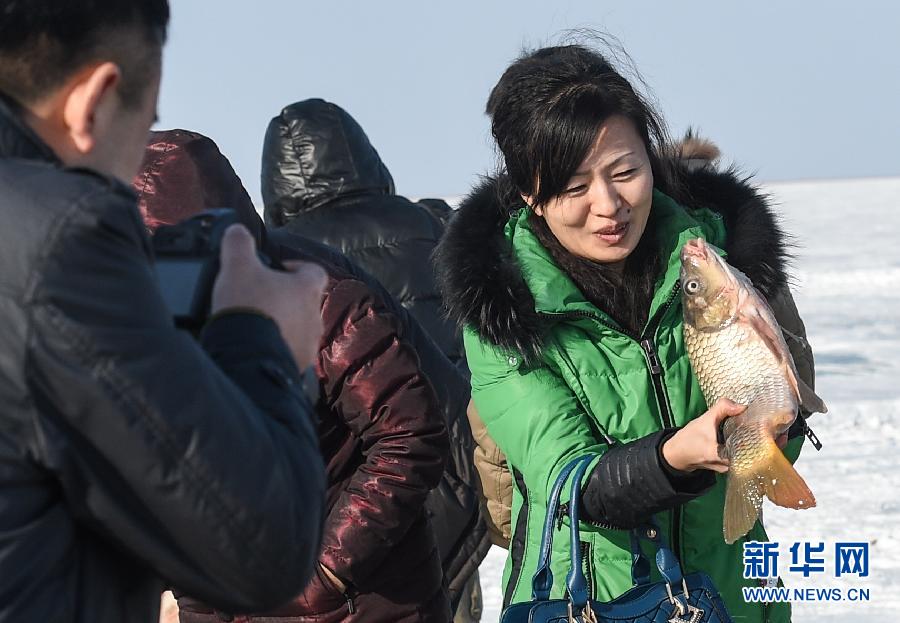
pixel 292 299
pixel 168 608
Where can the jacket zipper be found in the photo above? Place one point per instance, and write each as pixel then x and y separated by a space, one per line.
pixel 662 398
pixel 564 512
pixel 645 341
pixel 656 370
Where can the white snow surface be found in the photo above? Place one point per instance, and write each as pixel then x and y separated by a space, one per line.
pixel 846 282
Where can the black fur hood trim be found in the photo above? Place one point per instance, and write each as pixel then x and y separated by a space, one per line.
pixel 479 278
pixel 483 287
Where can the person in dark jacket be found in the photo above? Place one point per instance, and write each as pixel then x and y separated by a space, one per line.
pixel 381 430
pixel 118 433
pixel 322 179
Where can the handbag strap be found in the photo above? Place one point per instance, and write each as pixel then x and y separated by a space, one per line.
pixel 575 582
pixel 640 566
pixel 542 581
pixel 666 560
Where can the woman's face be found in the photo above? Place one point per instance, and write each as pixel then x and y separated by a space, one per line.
pixel 602 213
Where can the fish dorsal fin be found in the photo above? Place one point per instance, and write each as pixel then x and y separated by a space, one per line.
pixel 809 398
pixel 805 395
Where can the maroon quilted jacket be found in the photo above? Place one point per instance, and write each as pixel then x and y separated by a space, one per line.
pixel 381 433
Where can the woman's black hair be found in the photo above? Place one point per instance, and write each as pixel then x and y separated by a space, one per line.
pixel 547 108
pixel 545 113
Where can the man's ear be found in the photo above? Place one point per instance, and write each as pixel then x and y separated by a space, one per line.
pixel 91 104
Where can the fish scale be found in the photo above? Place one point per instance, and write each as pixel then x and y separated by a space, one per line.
pixel 730 364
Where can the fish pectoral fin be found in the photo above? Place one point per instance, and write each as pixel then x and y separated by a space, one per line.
pixel 783 485
pixel 764 324
pixel 750 313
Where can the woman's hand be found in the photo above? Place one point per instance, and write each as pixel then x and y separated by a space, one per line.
pixel 696 446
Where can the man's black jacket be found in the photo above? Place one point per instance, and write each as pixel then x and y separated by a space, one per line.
pixel 123 445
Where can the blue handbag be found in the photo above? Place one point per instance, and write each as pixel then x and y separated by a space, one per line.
pixel 677 598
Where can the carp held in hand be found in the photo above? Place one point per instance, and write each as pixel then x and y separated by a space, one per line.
pixel 737 352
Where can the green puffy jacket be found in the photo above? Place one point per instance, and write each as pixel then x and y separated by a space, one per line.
pixel 589 380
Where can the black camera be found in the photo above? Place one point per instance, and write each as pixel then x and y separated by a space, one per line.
pixel 187 262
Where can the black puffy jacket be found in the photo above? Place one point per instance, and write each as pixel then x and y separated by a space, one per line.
pixel 323 180
pixel 118 433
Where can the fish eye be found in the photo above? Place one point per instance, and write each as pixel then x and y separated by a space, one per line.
pixel 692 287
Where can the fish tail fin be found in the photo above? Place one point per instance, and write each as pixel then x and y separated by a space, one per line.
pixel 783 485
pixel 743 499
pixel 755 475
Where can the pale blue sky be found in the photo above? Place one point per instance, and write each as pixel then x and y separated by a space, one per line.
pixel 789 90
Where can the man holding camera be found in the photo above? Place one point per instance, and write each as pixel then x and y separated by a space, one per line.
pixel 120 436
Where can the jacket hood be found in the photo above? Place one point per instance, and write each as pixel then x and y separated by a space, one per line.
pixel 184 173
pixel 694 151
pixel 315 152
pixel 482 281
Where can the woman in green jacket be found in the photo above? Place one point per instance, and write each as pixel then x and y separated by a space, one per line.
pixel 563 272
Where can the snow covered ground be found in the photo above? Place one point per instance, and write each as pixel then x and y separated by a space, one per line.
pixel 847 287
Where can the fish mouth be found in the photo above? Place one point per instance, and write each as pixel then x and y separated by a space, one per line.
pixel 695 251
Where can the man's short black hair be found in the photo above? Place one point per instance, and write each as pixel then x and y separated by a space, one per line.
pixel 44 42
